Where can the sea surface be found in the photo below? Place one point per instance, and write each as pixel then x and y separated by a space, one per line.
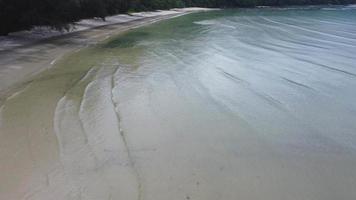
pixel 228 104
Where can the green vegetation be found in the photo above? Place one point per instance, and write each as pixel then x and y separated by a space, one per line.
pixel 24 14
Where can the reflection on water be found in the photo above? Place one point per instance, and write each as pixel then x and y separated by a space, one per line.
pixel 250 104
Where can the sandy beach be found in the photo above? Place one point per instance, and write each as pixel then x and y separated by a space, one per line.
pixel 251 104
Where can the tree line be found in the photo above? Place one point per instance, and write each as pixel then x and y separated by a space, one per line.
pixel 24 14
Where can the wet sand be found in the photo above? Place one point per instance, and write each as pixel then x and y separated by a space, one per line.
pixel 43 157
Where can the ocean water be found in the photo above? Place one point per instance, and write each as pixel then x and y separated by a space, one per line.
pixel 228 104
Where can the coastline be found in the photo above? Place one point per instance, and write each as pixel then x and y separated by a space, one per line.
pixel 25 54
pixel 250 103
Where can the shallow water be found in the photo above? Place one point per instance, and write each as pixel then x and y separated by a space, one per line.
pixel 247 104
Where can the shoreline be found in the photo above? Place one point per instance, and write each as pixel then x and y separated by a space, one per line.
pixel 22 62
pixel 23 38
